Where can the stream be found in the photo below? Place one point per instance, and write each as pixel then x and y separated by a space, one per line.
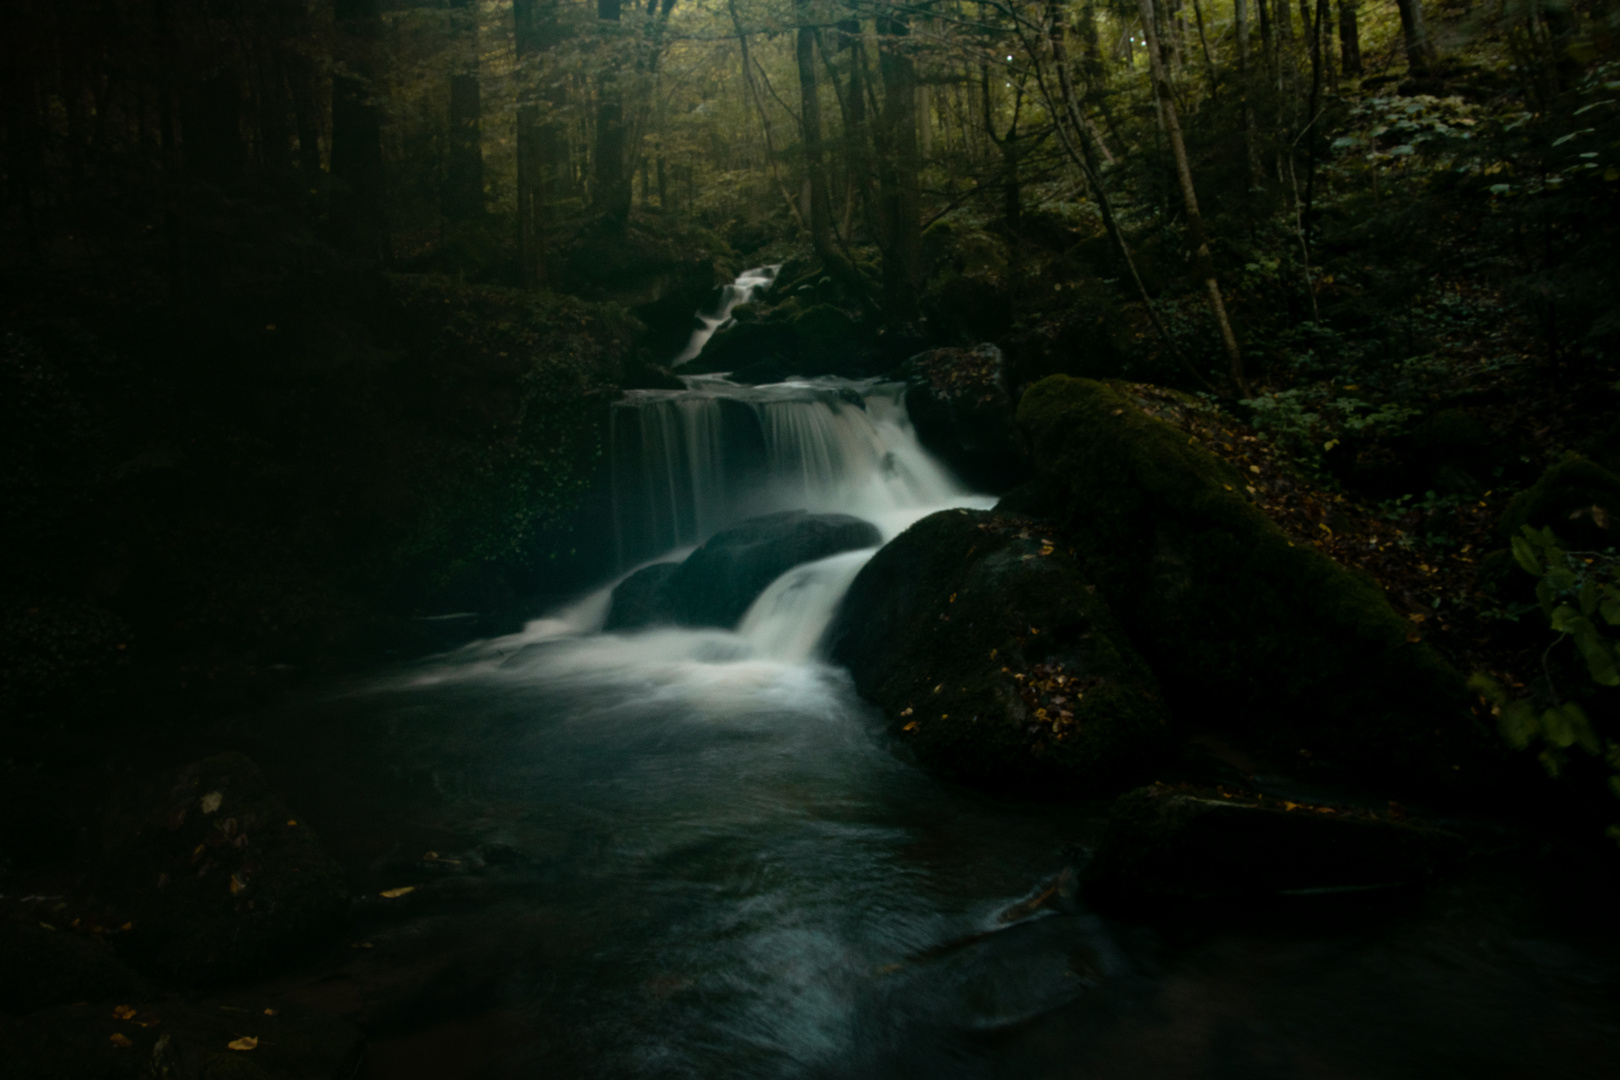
pixel 695 853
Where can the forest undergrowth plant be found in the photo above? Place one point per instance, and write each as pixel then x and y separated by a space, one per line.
pixel 1579 592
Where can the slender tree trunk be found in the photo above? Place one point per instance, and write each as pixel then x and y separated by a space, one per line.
pixel 815 174
pixel 1349 38
pixel 764 116
pixel 529 39
pixel 898 170
pixel 1085 131
pixel 1251 134
pixel 1419 50
pixel 464 169
pixel 1209 60
pixel 358 223
pixel 1195 220
pixel 610 187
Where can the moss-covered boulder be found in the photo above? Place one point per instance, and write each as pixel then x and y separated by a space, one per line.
pixel 746 343
pixel 958 402
pixel 994 658
pixel 1577 498
pixel 217 879
pixel 235 1039
pixel 638 599
pixel 1259 634
pixel 1167 844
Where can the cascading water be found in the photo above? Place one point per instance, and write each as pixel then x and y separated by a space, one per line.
pixel 745 288
pixel 723 870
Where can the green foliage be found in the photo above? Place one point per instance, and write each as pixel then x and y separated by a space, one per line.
pixel 1579 593
pixel 1311 421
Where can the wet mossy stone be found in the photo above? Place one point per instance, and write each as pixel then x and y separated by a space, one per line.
pixel 960 629
pixel 828 342
pixel 218 880
pixel 717 582
pixel 41 969
pixel 1168 844
pixel 637 599
pixel 1578 499
pixel 1245 627
pixel 181 1039
pixel 742 344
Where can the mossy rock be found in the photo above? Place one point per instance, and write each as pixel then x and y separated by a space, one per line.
pixel 1578 499
pixel 637 600
pixel 743 344
pixel 828 341
pixel 218 879
pixel 181 1039
pixel 960 630
pixel 1261 635
pixel 1168 844
pixel 41 969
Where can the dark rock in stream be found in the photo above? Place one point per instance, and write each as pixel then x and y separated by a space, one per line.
pixel 995 659
pixel 1167 844
pixel 41 969
pixel 718 581
pixel 958 402
pixel 246 1038
pixel 217 879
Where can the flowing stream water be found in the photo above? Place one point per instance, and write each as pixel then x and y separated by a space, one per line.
pixel 703 858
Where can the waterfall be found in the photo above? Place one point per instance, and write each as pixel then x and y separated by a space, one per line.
pixel 689 462
pixel 741 291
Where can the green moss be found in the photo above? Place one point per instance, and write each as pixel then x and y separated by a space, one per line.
pixel 1266 636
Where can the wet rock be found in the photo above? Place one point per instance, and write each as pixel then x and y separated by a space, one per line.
pixel 994 659
pixel 742 344
pixel 718 581
pixel 1180 843
pixel 958 402
pixel 638 599
pixel 1260 635
pixel 41 969
pixel 1577 498
pixel 181 1040
pixel 218 879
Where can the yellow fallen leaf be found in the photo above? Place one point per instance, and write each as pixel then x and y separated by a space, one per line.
pixel 246 1042
pixel 291 823
pixel 1254 468
pixel 910 727
pixel 210 802
pixel 237 884
pixel 120 1039
pixel 271 1012
pixel 401 891
pixel 123 1012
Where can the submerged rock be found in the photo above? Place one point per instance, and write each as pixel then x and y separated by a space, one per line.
pixel 1258 633
pixel 217 879
pixel 252 1038
pixel 993 657
pixel 717 582
pixel 1181 843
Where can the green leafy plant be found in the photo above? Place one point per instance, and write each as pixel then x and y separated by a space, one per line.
pixel 1579 593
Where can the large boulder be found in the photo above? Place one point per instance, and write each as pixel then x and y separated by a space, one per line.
pixel 718 581
pixel 217 880
pixel 1263 636
pixel 993 657
pixel 1171 844
pixel 958 402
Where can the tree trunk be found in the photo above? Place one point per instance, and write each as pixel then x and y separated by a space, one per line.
pixel 1251 134
pixel 610 187
pixel 1285 21
pixel 528 41
pixel 815 177
pixel 1195 220
pixel 1419 51
pixel 1085 130
pixel 358 224
pixel 897 171
pixel 464 169
pixel 1349 38
pixel 764 117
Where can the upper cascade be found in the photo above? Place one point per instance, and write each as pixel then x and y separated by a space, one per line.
pixel 741 291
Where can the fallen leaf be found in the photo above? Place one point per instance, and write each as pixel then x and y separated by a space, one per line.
pixel 271 1012
pixel 210 802
pixel 123 1012
pixel 237 884
pixel 401 891
pixel 119 1039
pixel 246 1042
pixel 910 727
pixel 291 823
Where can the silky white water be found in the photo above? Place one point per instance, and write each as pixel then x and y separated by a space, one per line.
pixel 745 288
